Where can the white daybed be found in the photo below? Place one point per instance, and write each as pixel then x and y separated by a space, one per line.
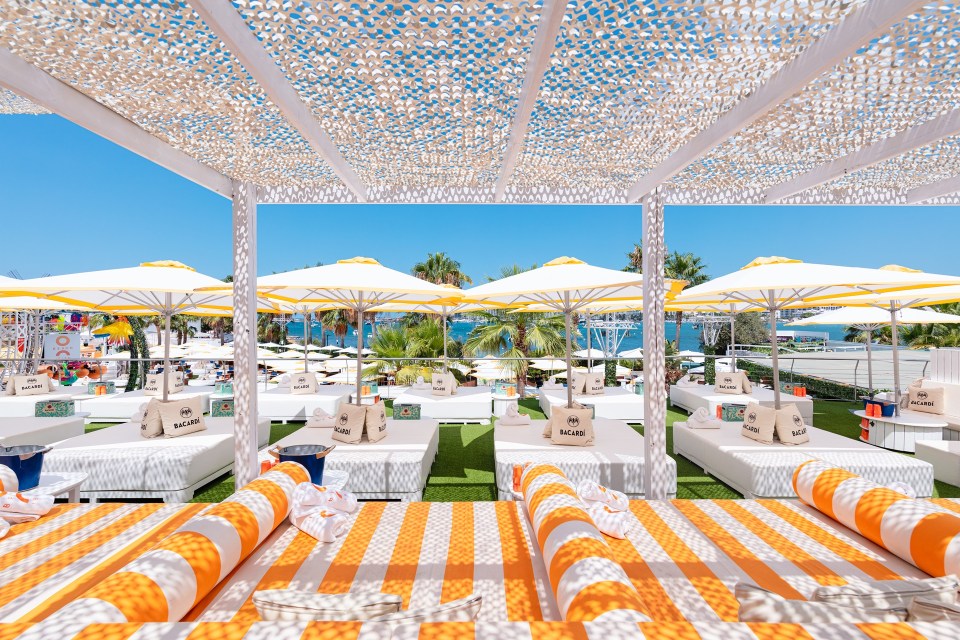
pixel 766 470
pixel 30 430
pixel 693 397
pixel 616 458
pixel 120 407
pixel 279 404
pixel 120 463
pixel 24 406
pixel 468 404
pixel 616 403
pixel 395 468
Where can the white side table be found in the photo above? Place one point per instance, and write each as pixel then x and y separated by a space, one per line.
pixel 57 484
pixel 500 404
pixel 901 433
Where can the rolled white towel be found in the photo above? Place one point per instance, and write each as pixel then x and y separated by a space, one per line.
pixel 611 522
pixel 904 488
pixel 513 417
pixel 324 525
pixel 595 493
pixel 685 381
pixel 15 507
pixel 701 419
pixel 420 380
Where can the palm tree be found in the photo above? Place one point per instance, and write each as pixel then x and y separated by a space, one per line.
pixel 635 259
pixel 180 324
pixel 684 266
pixel 439 268
pixel 269 329
pixel 338 321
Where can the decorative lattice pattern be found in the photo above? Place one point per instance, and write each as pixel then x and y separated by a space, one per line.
pixel 158 65
pixel 900 80
pixel 12 104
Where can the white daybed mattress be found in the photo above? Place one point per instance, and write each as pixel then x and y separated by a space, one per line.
pixel 766 470
pixel 279 404
pixel 122 464
pixel 469 404
pixel 394 468
pixel 23 406
pixel 616 403
pixel 616 458
pixel 702 395
pixel 120 407
pixel 17 431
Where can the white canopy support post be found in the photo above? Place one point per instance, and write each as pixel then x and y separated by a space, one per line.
pixel 167 312
pixel 869 329
pixel 657 477
pixel 894 342
pixel 444 316
pixel 566 321
pixel 245 332
pixel 306 340
pixel 589 350
pixel 733 342
pixel 774 348
pixel 359 347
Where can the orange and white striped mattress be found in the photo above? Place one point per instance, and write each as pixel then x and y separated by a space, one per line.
pixel 684 556
pixel 480 631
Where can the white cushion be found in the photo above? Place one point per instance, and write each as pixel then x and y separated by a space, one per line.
pixel 349 424
pixel 759 423
pixel 181 417
pixel 442 384
pixel 375 422
pixel 926 399
pixel 572 426
pixel 790 426
pixel 951 395
pixel 727 382
pixel 303 383
pixel 31 385
pixel 579 383
pixel 594 384
pixel 151 425
pixel 153 385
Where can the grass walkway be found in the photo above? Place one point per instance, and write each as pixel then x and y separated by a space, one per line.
pixel 463 470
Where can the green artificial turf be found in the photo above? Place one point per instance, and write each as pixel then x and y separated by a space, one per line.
pixel 464 469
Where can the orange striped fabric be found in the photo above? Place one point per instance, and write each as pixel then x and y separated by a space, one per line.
pixel 164 583
pixel 918 531
pixel 589 584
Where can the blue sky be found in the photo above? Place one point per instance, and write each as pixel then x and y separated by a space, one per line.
pixel 71 201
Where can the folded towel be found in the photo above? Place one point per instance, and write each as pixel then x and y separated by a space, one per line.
pixel 16 507
pixel 701 419
pixel 322 513
pixel 609 521
pixel 685 381
pixel 592 492
pixel 310 496
pixel 513 417
pixel 8 479
pixel 551 385
pixel 320 418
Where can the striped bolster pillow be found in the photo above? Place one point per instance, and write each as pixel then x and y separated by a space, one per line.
pixel 166 582
pixel 918 531
pixel 587 581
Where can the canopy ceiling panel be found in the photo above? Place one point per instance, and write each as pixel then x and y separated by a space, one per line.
pixel 900 80
pixel 12 104
pixel 157 65
pixel 416 95
pixel 632 81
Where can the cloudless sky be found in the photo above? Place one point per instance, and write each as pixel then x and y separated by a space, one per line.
pixel 71 201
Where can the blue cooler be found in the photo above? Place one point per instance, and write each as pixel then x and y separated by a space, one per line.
pixel 26 461
pixel 311 456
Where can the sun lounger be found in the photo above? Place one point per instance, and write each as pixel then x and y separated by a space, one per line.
pixel 702 395
pixel 24 406
pixel 469 404
pixel 766 470
pixel 17 431
pixel 122 464
pixel 280 404
pixel 120 407
pixel 395 468
pixel 616 403
pixel 616 458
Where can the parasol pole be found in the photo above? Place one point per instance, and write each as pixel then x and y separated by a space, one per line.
pixel 306 341
pixel 894 340
pixel 771 307
pixel 443 314
pixel 869 328
pixel 167 312
pixel 566 322
pixel 733 342
pixel 589 352
pixel 359 346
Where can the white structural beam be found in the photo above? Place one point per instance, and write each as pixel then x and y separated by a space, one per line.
pixel 869 21
pixel 544 42
pixel 939 189
pixel 231 28
pixel 245 466
pixel 907 140
pixel 658 480
pixel 38 86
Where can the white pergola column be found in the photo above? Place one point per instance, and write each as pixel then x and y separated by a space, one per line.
pixel 656 472
pixel 245 466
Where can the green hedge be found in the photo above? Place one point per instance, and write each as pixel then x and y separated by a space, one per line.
pixel 818 387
